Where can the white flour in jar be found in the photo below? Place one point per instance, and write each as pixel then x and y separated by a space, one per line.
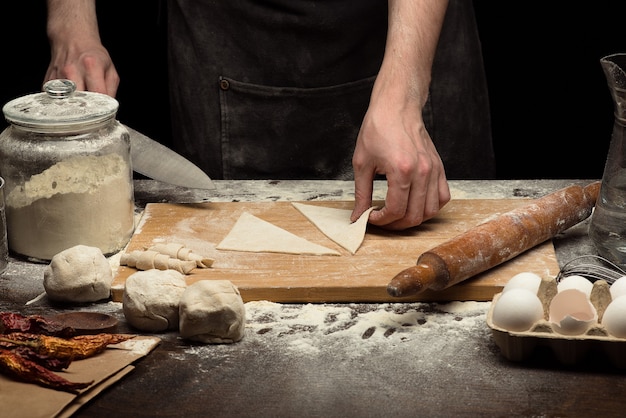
pixel 82 200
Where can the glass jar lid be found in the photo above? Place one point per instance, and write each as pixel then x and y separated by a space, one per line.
pixel 60 108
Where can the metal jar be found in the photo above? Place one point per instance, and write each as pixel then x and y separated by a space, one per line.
pixel 66 163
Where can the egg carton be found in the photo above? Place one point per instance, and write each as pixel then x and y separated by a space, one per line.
pixel 567 349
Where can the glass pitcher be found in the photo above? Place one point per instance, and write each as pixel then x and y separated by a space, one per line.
pixel 607 229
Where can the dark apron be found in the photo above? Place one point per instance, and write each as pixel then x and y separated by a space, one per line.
pixel 277 89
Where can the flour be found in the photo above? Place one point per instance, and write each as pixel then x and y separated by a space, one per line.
pixel 354 331
pixel 314 327
pixel 82 200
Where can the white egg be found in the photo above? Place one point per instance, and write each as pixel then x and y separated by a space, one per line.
pixel 571 312
pixel 618 288
pixel 517 310
pixel 575 282
pixel 524 280
pixel 614 318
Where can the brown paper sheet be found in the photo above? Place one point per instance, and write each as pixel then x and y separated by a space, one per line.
pixel 28 400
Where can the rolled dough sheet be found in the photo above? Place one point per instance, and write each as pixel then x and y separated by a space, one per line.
pixel 336 225
pixel 253 234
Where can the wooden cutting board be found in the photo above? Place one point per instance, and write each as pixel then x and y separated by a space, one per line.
pixel 362 277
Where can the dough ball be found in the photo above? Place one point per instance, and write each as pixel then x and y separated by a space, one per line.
pixel 78 274
pixel 151 297
pixel 212 311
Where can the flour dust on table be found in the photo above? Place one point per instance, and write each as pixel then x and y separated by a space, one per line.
pixel 354 331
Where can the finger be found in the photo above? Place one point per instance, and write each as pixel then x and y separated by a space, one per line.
pixel 50 75
pixel 95 75
pixel 112 82
pixel 444 191
pixel 435 196
pixel 95 83
pixel 363 190
pixel 396 205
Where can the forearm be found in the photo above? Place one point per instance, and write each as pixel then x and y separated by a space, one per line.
pixel 72 21
pixel 413 34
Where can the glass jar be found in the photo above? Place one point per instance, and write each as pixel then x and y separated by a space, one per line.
pixel 65 160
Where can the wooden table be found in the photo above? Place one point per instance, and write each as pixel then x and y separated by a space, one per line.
pixel 352 359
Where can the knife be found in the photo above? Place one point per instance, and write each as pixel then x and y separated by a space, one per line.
pixel 155 160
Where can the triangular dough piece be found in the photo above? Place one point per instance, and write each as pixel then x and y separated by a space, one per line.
pixel 335 224
pixel 252 234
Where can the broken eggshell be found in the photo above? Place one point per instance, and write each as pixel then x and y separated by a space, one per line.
pixel 571 312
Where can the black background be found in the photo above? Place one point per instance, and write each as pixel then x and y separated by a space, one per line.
pixel 551 110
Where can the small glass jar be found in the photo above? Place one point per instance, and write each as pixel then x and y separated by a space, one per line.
pixel 66 163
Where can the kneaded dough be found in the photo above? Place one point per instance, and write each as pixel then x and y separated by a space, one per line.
pixel 212 311
pixel 78 274
pixel 151 297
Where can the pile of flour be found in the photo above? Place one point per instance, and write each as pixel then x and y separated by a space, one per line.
pixel 82 200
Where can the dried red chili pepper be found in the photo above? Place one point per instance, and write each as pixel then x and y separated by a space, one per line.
pixel 32 347
pixel 50 363
pixel 28 371
pixel 75 348
pixel 36 324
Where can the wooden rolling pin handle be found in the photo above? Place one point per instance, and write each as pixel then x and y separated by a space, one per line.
pixel 405 283
pixel 430 272
pixel 496 241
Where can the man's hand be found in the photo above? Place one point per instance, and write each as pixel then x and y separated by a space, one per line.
pixel 75 47
pixel 395 143
pixel 393 139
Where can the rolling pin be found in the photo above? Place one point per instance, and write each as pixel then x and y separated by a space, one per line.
pixel 496 241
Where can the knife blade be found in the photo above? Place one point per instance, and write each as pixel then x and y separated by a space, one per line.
pixel 155 160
